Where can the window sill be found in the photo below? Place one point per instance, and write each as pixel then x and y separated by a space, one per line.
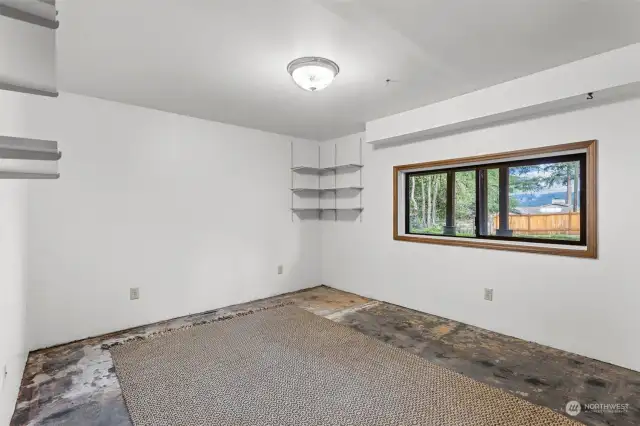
pixel 540 248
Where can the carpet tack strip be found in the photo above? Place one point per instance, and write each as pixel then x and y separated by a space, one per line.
pixel 145 336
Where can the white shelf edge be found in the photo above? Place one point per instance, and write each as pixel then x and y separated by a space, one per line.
pixel 327 169
pixel 300 168
pixel 327 209
pixel 344 188
pixel 343 166
pixel 28 175
pixel 29 90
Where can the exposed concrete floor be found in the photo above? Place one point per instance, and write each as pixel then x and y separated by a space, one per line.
pixel 75 384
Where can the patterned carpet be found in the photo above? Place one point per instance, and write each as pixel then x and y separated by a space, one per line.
pixel 286 366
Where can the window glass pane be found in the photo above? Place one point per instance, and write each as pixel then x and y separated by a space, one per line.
pixel 465 197
pixel 427 203
pixel 539 200
pixel 493 201
pixel 544 201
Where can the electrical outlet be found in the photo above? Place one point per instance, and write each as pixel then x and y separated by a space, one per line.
pixel 488 294
pixel 134 293
pixel 3 376
pixel 280 269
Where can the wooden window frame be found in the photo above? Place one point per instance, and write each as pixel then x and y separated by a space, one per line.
pixel 587 249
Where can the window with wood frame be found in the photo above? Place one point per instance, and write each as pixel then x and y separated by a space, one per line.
pixel 538 200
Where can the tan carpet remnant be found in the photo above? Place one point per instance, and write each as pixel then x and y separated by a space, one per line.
pixel 286 366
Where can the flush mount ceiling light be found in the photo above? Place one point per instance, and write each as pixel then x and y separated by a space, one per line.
pixel 311 73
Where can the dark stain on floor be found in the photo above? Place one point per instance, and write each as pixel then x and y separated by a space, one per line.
pixel 76 384
pixel 539 374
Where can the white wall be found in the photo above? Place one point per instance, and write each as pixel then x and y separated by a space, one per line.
pixel 194 213
pixel 585 306
pixel 13 288
pixel 27 54
pixel 13 263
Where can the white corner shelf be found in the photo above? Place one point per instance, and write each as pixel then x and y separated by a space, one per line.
pixel 311 169
pixel 303 169
pixel 342 167
pixel 25 158
pixel 344 188
pixel 329 209
pixel 323 173
pixel 27 175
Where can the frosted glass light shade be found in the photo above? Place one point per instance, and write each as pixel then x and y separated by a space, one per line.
pixel 313 74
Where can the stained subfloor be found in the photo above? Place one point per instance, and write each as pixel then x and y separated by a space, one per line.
pixel 75 384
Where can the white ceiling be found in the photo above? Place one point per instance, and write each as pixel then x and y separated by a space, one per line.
pixel 225 60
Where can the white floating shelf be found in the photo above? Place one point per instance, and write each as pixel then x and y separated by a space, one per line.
pixel 305 169
pixel 28 149
pixel 28 175
pixel 345 188
pixel 342 166
pixel 308 184
pixel 20 88
pixel 321 209
pixel 311 169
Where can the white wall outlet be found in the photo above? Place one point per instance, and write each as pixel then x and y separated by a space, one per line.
pixel 280 269
pixel 3 376
pixel 134 293
pixel 488 294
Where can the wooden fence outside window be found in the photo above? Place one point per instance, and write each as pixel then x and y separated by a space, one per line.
pixel 542 224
